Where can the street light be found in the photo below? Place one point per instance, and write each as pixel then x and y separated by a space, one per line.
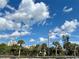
pixel 50 37
pixel 48 41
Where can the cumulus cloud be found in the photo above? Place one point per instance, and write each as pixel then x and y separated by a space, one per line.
pixel 8 25
pixel 4 36
pixel 14 34
pixel 30 12
pixel 3 3
pixel 11 8
pixel 52 35
pixel 66 9
pixel 65 29
pixel 22 19
pixel 70 26
pixel 43 40
pixel 32 40
pixel 57 30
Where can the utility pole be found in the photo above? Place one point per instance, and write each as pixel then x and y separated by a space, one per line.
pixel 48 42
pixel 48 46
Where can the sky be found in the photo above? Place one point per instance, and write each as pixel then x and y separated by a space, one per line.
pixel 35 21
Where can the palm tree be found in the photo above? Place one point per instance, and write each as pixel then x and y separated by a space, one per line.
pixel 58 47
pixel 65 38
pixel 43 49
pixel 66 42
pixel 67 46
pixel 56 43
pixel 20 42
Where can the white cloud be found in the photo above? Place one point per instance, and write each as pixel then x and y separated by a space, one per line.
pixel 55 33
pixel 7 12
pixel 43 40
pixel 10 7
pixel 30 12
pixel 66 9
pixel 8 25
pixel 3 3
pixel 4 36
pixel 65 29
pixel 14 34
pixel 70 26
pixel 57 30
pixel 52 35
pixel 32 40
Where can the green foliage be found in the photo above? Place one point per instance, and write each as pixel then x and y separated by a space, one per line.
pixel 21 42
pixel 14 50
pixel 56 43
pixel 40 50
pixel 4 49
pixel 65 38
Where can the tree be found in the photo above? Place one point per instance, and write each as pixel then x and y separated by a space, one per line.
pixel 44 49
pixel 38 49
pixel 56 43
pixel 70 48
pixel 3 49
pixel 25 52
pixel 67 46
pixel 14 49
pixel 65 38
pixel 57 47
pixel 52 51
pixel 20 42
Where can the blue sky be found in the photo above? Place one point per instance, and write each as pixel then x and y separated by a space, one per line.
pixel 38 17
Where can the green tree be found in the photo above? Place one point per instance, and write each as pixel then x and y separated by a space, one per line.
pixel 4 49
pixel 70 48
pixel 58 48
pixel 20 42
pixel 56 43
pixel 44 49
pixel 25 52
pixel 65 38
pixel 14 49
